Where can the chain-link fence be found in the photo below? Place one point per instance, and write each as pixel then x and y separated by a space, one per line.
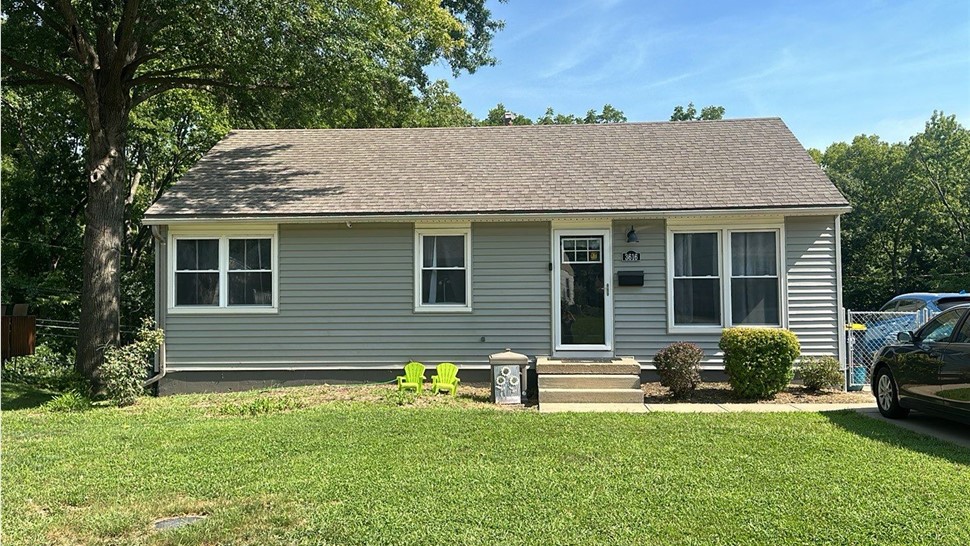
pixel 869 331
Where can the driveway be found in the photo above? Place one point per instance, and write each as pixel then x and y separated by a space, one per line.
pixel 937 427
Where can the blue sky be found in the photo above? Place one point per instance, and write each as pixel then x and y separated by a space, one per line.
pixel 831 70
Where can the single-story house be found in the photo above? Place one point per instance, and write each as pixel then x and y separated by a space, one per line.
pixel 327 255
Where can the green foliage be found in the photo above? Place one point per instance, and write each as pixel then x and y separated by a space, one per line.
pixel 496 116
pixel 820 373
pixel 68 402
pixel 758 361
pixel 690 113
pixel 124 370
pixel 261 406
pixel 678 365
pixel 46 369
pixel 438 106
pixel 908 229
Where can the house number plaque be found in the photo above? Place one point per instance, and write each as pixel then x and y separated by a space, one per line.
pixel 631 256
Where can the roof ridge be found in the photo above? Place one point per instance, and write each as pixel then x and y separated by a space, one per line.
pixel 533 126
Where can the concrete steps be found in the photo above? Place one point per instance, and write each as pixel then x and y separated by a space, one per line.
pixel 574 383
pixel 591 396
pixel 590 381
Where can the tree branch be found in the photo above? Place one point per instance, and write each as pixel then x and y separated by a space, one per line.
pixel 48 20
pixel 150 76
pixel 167 83
pixel 84 51
pixel 41 76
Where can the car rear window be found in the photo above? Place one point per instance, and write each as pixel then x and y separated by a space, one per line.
pixel 946 303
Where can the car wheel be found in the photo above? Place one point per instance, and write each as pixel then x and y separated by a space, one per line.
pixel 887 395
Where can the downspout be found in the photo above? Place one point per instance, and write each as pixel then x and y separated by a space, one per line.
pixel 160 362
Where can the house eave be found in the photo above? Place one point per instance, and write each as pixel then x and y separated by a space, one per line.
pixel 490 216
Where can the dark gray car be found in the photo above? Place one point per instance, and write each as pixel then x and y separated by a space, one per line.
pixel 928 370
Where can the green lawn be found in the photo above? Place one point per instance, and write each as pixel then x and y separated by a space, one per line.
pixel 353 472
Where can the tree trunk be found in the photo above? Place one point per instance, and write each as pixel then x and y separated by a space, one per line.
pixel 104 229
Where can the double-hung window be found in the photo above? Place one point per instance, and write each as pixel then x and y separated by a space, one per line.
pixel 724 277
pixel 697 278
pixel 223 273
pixel 442 270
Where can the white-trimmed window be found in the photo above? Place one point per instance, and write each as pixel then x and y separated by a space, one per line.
pixel 226 273
pixel 755 284
pixel 697 278
pixel 443 270
pixel 724 277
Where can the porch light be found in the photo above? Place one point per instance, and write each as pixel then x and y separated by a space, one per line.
pixel 631 236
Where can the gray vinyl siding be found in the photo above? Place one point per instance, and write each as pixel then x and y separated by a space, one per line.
pixel 813 310
pixel 640 316
pixel 640 313
pixel 347 299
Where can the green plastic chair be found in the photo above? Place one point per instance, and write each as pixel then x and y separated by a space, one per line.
pixel 446 380
pixel 413 377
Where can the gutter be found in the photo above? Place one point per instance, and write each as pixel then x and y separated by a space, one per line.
pixel 494 216
pixel 160 357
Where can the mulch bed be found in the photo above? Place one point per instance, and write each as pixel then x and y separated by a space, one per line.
pixel 721 393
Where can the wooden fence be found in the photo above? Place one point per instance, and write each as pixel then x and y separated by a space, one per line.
pixel 18 335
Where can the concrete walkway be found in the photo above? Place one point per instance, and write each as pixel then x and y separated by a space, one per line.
pixel 699 408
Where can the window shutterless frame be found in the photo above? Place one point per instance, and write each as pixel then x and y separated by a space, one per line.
pixel 728 316
pixel 725 269
pixel 420 233
pixel 223 234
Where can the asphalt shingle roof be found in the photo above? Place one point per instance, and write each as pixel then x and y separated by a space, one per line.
pixel 730 164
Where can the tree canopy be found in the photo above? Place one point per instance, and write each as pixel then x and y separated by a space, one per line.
pixel 496 116
pixel 907 230
pixel 690 113
pixel 106 67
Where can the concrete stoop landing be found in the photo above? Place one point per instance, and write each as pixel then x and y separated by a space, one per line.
pixel 570 384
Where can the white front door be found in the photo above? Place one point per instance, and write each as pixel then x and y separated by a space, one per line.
pixel 582 289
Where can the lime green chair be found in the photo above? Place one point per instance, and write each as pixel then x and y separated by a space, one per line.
pixel 413 377
pixel 446 380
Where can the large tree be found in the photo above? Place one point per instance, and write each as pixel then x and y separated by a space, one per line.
pixel 305 63
pixel 908 227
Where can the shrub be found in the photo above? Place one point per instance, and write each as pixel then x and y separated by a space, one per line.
pixel 758 361
pixel 679 368
pixel 125 368
pixel 821 373
pixel 46 369
pixel 71 401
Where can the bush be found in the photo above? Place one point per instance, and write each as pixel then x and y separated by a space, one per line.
pixel 758 361
pixel 821 373
pixel 71 401
pixel 679 368
pixel 125 368
pixel 46 369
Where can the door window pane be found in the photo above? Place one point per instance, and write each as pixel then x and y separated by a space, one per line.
pixel 582 294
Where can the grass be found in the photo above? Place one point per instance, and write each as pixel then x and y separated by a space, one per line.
pixel 363 470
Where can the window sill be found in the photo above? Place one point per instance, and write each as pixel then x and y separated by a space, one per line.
pixel 223 310
pixel 683 329
pixel 442 309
